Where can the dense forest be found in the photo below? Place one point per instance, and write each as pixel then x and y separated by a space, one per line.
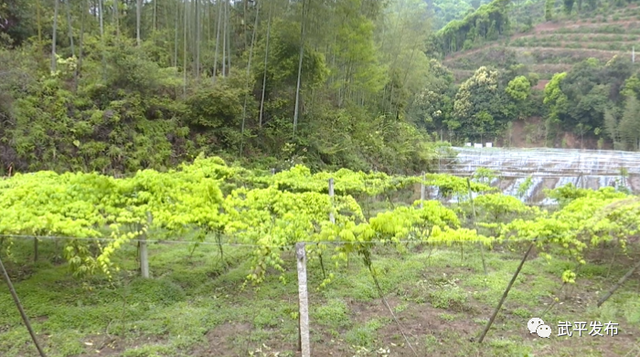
pixel 116 86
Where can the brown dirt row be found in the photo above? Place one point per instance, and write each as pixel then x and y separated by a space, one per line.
pixel 583 44
pixel 592 52
pixel 584 52
pixel 547 28
pixel 589 36
pixel 554 26
pixel 541 84
pixel 538 68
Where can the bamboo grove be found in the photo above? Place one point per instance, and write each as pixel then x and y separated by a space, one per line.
pixel 272 212
pixel 117 85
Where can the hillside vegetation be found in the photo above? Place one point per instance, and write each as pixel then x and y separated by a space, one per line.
pixel 553 47
pixel 578 63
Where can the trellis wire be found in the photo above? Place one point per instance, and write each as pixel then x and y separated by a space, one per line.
pixel 336 242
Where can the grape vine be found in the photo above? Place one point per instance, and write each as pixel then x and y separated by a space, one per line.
pixel 272 213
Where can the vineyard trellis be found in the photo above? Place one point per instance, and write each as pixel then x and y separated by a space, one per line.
pixel 272 212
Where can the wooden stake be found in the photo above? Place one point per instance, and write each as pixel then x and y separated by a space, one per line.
pixel 475 223
pixel 303 302
pixel 423 190
pixel 331 217
pixel 506 292
pixel 19 306
pixel 619 284
pixel 144 255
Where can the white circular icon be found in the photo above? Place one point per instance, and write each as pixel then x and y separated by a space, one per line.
pixel 544 331
pixel 534 323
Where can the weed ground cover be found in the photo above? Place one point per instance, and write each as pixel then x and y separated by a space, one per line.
pixel 196 306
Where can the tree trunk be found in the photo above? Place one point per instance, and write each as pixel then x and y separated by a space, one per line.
pixel 228 31
pixel 224 41
pixel 184 50
pixel 297 103
pixel 53 40
pixel 104 61
pixel 39 19
pixel 246 96
pixel 244 22
pixel 116 15
pixel 73 50
pixel 215 56
pixel 175 39
pixel 406 76
pixel 70 28
pixel 85 10
pixel 197 69
pixel 138 18
pixel 266 60
pixel 155 16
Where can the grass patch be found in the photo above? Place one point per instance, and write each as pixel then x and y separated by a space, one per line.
pixel 197 307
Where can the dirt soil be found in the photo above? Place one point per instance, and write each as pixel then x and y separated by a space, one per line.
pixel 528 134
pixel 543 28
pixel 419 320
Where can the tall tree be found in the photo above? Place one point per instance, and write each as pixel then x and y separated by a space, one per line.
pixel 224 40
pixel 266 61
pixel 102 44
pixel 215 58
pixel 155 15
pixel 39 20
pixel 69 27
pixel 85 10
pixel 54 59
pixel 548 9
pixel 611 127
pixel 116 17
pixel 138 20
pixel 73 51
pixel 246 96
pixel 197 44
pixel 297 103
pixel 184 49
pixel 630 124
pixel 228 31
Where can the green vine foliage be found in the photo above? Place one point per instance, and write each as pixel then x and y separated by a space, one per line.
pixel 431 224
pixel 271 213
pixel 587 218
pixel 78 205
pixel 449 185
pixel 294 206
pixel 346 182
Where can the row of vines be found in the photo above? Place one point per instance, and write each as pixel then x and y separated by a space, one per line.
pixel 272 212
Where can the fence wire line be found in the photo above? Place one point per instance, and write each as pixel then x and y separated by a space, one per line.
pixel 523 174
pixel 335 242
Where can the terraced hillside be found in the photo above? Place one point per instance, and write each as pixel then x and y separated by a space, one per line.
pixel 552 47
